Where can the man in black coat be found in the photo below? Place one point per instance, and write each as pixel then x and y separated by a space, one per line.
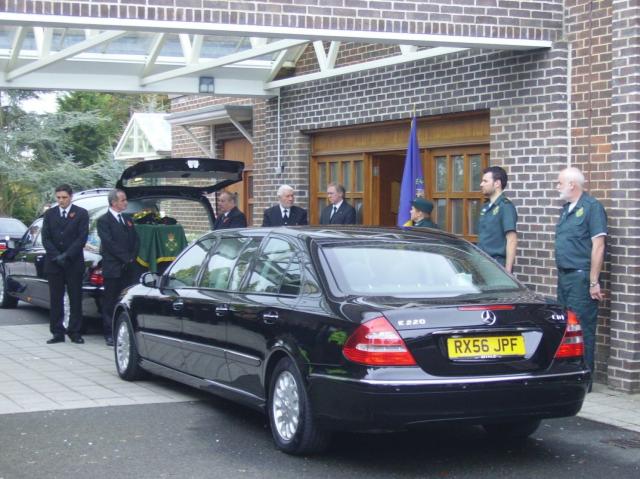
pixel 64 233
pixel 229 215
pixel 119 248
pixel 285 213
pixel 338 212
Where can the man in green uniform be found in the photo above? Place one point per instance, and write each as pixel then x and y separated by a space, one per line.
pixel 421 213
pixel 498 218
pixel 580 245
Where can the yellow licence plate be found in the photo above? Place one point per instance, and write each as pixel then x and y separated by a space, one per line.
pixel 479 347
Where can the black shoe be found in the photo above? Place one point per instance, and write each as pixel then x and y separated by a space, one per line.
pixel 77 339
pixel 108 341
pixel 56 339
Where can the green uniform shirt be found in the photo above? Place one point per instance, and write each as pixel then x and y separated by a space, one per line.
pixel 575 230
pixel 495 221
pixel 425 223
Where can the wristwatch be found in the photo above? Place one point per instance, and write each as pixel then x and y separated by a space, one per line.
pixel 593 285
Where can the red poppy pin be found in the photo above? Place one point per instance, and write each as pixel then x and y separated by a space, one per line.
pixel 72 214
pixel 129 223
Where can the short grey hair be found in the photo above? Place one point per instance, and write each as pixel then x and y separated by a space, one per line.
pixel 113 196
pixel 573 174
pixel 283 189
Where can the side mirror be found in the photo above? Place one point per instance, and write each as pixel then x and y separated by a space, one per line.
pixel 149 280
pixel 12 244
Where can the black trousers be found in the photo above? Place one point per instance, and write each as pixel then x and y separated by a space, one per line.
pixel 71 281
pixel 112 289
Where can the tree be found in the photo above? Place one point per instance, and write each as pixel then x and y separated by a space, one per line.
pixel 34 158
pixel 87 142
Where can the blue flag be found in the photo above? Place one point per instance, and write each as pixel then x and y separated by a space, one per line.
pixel 412 177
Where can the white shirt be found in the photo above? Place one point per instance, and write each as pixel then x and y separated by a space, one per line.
pixel 67 209
pixel 116 214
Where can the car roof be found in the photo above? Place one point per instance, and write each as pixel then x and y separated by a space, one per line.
pixel 348 233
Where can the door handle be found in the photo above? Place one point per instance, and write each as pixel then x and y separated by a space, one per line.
pixel 178 305
pixel 222 309
pixel 270 317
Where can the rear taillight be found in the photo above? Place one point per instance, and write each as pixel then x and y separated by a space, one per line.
pixel 96 278
pixel 3 246
pixel 572 345
pixel 377 343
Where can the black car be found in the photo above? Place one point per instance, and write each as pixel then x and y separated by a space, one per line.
pixel 11 229
pixel 171 186
pixel 354 328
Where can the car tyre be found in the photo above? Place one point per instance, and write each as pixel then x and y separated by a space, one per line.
pixel 6 301
pixel 512 430
pixel 125 350
pixel 292 424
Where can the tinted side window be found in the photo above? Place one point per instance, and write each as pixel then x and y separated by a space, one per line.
pixel 184 271
pixel 242 264
pixel 32 237
pixel 221 265
pixel 277 270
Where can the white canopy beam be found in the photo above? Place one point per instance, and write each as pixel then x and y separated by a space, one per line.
pixel 185 43
pixel 307 34
pixel 406 49
pixel 277 65
pixel 16 46
pixel 227 60
pixel 431 52
pixel 62 54
pixel 196 48
pixel 241 129
pixel 150 61
pixel 43 37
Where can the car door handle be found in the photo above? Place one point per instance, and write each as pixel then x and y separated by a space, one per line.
pixel 178 305
pixel 222 309
pixel 269 317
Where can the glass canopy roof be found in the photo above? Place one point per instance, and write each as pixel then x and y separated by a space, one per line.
pixel 104 54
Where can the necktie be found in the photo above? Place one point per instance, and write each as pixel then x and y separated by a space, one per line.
pixel 120 220
pixel 64 214
pixel 285 217
pixel 333 212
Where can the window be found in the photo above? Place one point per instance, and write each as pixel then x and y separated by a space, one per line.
pixel 277 270
pixel 225 268
pixel 453 182
pixel 435 269
pixel 184 272
pixel 32 236
pixel 347 170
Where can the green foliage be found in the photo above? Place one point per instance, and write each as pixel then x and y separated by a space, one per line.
pixel 86 142
pixel 74 145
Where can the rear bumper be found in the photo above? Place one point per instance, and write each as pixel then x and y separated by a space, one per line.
pixel 364 405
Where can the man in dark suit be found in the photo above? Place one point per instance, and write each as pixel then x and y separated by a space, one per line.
pixel 64 233
pixel 119 247
pixel 338 212
pixel 285 213
pixel 229 215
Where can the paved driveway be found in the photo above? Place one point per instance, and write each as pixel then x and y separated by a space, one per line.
pixel 35 376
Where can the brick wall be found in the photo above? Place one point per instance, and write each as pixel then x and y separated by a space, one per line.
pixel 588 26
pixel 498 18
pixel 624 219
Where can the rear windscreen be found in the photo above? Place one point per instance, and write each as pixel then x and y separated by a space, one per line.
pixel 413 269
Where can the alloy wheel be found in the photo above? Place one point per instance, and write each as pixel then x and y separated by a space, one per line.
pixel 123 346
pixel 286 406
